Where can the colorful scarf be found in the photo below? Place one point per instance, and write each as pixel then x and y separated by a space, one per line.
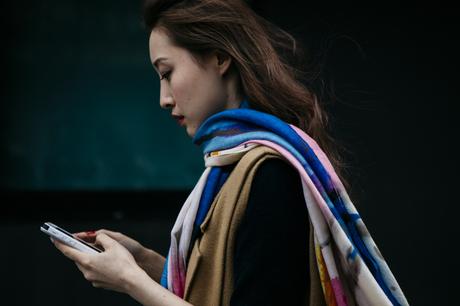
pixel 340 236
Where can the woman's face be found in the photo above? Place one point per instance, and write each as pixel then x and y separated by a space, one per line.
pixel 190 90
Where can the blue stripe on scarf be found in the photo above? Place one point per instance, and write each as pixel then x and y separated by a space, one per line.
pixel 164 275
pixel 272 129
pixel 217 178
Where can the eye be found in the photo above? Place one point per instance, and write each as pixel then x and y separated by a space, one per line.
pixel 166 75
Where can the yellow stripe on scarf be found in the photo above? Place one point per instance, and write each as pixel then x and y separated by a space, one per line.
pixel 325 280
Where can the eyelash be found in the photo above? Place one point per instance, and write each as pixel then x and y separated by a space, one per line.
pixel 165 75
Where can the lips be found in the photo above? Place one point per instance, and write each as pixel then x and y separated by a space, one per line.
pixel 179 119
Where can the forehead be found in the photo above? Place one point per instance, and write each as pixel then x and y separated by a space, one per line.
pixel 159 39
pixel 160 45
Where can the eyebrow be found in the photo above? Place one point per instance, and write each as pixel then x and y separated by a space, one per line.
pixel 158 60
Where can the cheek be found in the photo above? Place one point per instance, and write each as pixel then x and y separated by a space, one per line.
pixel 183 87
pixel 197 95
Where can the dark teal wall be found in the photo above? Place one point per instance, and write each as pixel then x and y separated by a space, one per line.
pixel 81 107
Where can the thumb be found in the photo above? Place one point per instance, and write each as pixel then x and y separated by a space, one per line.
pixel 105 241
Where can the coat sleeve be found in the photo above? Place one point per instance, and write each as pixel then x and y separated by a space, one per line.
pixel 271 248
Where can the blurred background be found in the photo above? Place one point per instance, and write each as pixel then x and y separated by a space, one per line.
pixel 85 144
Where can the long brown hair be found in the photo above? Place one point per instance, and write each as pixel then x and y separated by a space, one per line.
pixel 264 55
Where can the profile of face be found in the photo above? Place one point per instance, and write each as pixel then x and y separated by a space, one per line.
pixel 191 90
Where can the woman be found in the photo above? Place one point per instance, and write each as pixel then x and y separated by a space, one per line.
pixel 269 221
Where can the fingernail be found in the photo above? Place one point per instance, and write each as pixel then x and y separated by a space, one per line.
pixel 90 233
pixel 52 240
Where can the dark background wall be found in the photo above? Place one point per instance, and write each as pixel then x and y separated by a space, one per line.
pixel 82 109
pixel 84 143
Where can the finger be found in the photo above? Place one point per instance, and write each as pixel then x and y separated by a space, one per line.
pixel 105 241
pixel 97 284
pixel 80 267
pixel 86 273
pixel 86 236
pixel 70 252
pixel 112 234
pixel 83 271
pixel 103 285
pixel 86 233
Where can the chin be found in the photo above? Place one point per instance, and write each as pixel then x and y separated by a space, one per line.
pixel 191 132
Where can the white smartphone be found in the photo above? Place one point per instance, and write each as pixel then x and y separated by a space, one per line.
pixel 67 238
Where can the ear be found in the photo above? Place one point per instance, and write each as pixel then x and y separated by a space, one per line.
pixel 223 62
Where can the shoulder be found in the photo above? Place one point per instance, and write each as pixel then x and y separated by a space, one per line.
pixel 275 165
pixel 276 189
pixel 277 173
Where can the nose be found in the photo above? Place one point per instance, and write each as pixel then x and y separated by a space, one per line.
pixel 166 100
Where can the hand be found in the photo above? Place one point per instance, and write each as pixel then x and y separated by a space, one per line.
pixel 110 269
pixel 149 260
pixel 134 247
